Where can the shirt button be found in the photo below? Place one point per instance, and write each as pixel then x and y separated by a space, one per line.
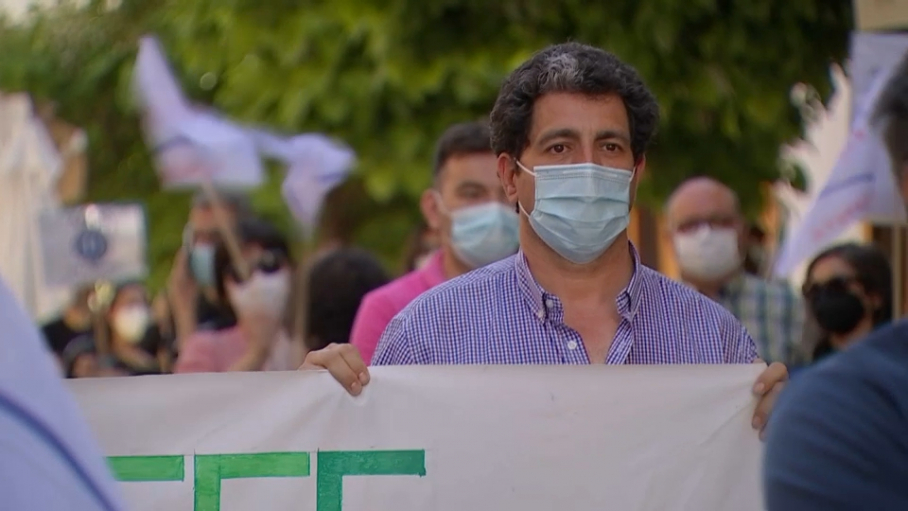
pixel 540 314
pixel 572 345
pixel 549 303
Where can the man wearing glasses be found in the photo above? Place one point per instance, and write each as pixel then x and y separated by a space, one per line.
pixel 707 234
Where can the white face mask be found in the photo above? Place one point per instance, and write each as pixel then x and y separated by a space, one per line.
pixel 707 253
pixel 262 293
pixel 131 323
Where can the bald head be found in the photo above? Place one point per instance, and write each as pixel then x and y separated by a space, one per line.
pixel 702 200
pixel 706 228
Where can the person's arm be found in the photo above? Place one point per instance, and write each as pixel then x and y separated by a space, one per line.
pixel 394 346
pixel 252 360
pixel 197 356
pixel 184 320
pixel 165 359
pixel 836 442
pixel 182 294
pixel 374 314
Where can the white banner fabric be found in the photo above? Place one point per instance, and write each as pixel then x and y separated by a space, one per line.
pixel 634 438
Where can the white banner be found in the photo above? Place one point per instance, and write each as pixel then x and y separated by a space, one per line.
pixel 638 438
pixel 95 242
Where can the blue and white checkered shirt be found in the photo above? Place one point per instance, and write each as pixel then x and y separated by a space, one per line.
pixel 499 314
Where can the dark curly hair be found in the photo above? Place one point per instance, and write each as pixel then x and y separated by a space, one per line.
pixel 570 67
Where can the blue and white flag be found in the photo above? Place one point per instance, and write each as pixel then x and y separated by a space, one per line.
pixel 860 187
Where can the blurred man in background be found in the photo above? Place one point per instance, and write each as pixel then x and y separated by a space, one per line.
pixel 468 209
pixel 707 233
pixel 191 286
pixel 839 437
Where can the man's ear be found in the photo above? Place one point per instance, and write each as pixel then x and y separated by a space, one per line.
pixel 428 204
pixel 639 172
pixel 507 174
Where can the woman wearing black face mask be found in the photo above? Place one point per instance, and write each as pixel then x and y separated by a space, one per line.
pixel 848 292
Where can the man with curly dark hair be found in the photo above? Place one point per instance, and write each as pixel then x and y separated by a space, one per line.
pixel 570 129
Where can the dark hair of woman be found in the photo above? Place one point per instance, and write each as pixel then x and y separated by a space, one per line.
pixel 337 284
pixel 872 271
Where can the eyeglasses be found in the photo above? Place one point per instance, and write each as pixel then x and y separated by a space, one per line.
pixel 269 262
pixel 837 283
pixel 713 222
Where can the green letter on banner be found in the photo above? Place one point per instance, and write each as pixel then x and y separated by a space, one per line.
pixel 334 465
pixel 211 469
pixel 146 468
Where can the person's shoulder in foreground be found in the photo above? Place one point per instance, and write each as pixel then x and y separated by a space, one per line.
pixel 380 305
pixel 48 460
pixel 838 438
pixel 500 315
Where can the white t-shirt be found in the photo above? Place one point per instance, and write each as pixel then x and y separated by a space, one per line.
pixel 48 458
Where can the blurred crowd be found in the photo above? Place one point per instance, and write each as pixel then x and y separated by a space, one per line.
pixel 214 318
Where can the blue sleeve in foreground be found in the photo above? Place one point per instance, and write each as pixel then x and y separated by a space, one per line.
pixel 838 439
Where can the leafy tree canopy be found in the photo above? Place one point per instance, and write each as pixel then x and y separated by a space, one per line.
pixel 387 76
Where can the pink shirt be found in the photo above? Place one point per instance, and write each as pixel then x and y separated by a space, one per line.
pixel 216 351
pixel 382 304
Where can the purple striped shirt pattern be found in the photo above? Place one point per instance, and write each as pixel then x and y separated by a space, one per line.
pixel 499 314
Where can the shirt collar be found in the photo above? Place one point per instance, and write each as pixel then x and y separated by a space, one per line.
pixel 433 273
pixel 546 305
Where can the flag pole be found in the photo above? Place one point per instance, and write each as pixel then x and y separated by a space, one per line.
pixel 228 234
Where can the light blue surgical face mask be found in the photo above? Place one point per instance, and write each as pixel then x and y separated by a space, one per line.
pixel 201 262
pixel 483 234
pixel 580 209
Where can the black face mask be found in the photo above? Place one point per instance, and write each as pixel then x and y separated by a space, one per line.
pixel 836 309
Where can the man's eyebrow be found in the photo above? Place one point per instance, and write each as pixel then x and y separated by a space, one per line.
pixel 607 134
pixel 573 134
pixel 471 184
pixel 557 133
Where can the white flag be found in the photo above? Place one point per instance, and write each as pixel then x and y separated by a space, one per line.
pixel 860 187
pixel 191 145
pixel 316 164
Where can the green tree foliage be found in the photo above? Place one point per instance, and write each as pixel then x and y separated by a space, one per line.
pixel 388 76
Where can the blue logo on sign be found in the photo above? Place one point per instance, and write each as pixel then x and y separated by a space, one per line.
pixel 91 245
